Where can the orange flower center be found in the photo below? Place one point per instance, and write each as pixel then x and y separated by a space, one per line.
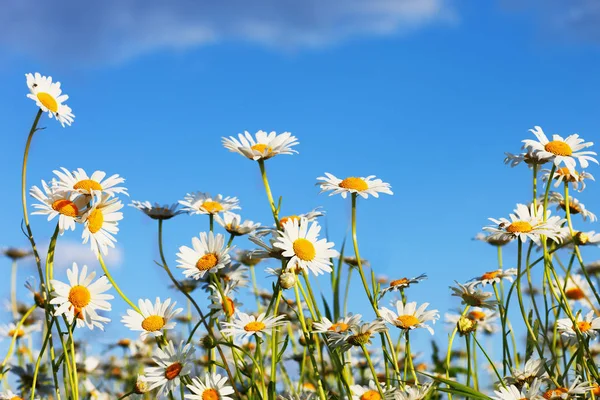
pixel 48 101
pixel 558 148
pixel 370 395
pixel 173 371
pixel 153 323
pixel 360 338
pixel 16 398
pixel 399 282
pixel 207 262
pixel 261 147
pixel 519 227
pixel 254 326
pixel 490 275
pixel 407 321
pixel 87 185
pixel 354 183
pixel 283 220
pixel 304 249
pixel 574 294
pixel 477 315
pixel 95 221
pixel 568 175
pixel 584 326
pixel 124 342
pixel 19 332
pixel 228 307
pixel 550 394
pixel 210 394
pixel 79 296
pixel 65 207
pixel 212 207
pixel 339 327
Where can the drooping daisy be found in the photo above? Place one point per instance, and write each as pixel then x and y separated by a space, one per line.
pixel 577 290
pixel 496 276
pixel 224 306
pixel 575 178
pixel 264 147
pixel 357 335
pixel 473 296
pixel 80 182
pixel 80 298
pixel 15 253
pixel 530 158
pixel 154 317
pixel 300 243
pixel 245 325
pixel 402 283
pixel 23 332
pixel 342 325
pixel 414 392
pixel 563 393
pixel 525 223
pixel 173 363
pixel 214 387
pixel 234 225
pixel 533 369
pixel 586 238
pixel 363 186
pixel 561 151
pixel 157 211
pixel 309 216
pixel 526 392
pixel 204 203
pixel 101 222
pixel 588 326
pixel 494 241
pixel 56 202
pixel 575 206
pixel 371 392
pixel 410 317
pixel 208 254
pixel 48 96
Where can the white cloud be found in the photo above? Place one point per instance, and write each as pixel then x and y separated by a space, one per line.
pixel 69 251
pixel 113 30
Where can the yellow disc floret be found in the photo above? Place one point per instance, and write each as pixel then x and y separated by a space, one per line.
pixel 79 296
pixel 95 221
pixel 254 326
pixel 207 262
pixel 48 101
pixel 519 227
pixel 87 185
pixel 173 371
pixel 304 249
pixel 153 323
pixel 212 207
pixel 558 148
pixel 370 395
pixel 354 183
pixel 210 394
pixel 407 321
pixel 65 207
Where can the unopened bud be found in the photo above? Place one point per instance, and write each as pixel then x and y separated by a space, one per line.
pixel 287 280
pixel 208 342
pixel 466 325
pixel 581 238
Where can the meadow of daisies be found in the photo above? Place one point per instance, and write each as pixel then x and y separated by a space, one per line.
pixel 540 316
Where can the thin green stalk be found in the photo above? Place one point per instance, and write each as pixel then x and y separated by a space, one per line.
pixel 263 174
pixel 112 281
pixel 410 360
pixel 13 289
pixel 14 337
pixel 372 368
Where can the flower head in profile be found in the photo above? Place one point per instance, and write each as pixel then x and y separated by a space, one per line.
pixel 575 206
pixel 493 240
pixel 576 289
pixel 529 157
pixel 563 392
pixel 484 320
pixel 223 304
pixel 563 174
pixel 154 318
pixel 473 296
pixel 204 203
pixel 357 335
pixel 16 253
pixel 213 387
pixel 23 332
pixel 173 363
pixel 207 254
pixel 82 297
pixel 534 369
pixel 245 325
pixel 523 392
pixel 588 326
pixel 362 186
pixel 309 216
pixel 496 276
pixel 402 283
pixel 49 98
pixel 80 182
pixel 371 392
pixel 526 223
pixel 157 211
pixel 101 222
pixel 265 146
pixel 342 325
pixel 233 224
pixel 408 316
pixel 560 150
pixel 55 202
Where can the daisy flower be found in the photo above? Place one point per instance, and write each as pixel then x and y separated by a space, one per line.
pixel 398 284
pixel 264 147
pixel 563 393
pixel 575 178
pixel 245 325
pixel 533 369
pixel 55 202
pixel 561 151
pixel 9 395
pixel 342 325
pixel 214 387
pixel 15 253
pixel 234 225
pixel 586 238
pixel 173 363
pixel 526 223
pixel 414 392
pixel 208 254
pixel 494 241
pixel 371 392
pixel 233 274
pixel 530 158
pixel 361 186
pixel 80 182
pixel 80 298
pixel 472 296
pixel 588 326
pixel 153 319
pixel 9 330
pixel 575 206
pixel 218 303
pixel 410 317
pixel 101 222
pixel 48 96
pixel 309 216
pixel 577 289
pixel 157 211
pixel 357 335
pixel 496 276
pixel 300 243
pixel 204 203
pixel 512 392
pixel 484 319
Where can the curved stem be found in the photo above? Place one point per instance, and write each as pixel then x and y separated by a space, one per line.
pixel 14 337
pixel 112 281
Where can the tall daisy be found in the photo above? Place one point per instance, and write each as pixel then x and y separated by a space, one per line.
pixel 473 296
pixel 563 174
pixel 361 186
pixel 80 182
pixel 563 392
pixel 402 283
pixel 577 290
pixel 173 363
pixel 340 326
pixel 56 202
pixel 213 387
pixel 101 222
pixel 245 325
pixel 575 206
pixel 157 211
pixel 265 146
pixel 225 304
pixel 371 392
pixel 23 332
pixel 496 276
pixel 208 254
pixel 309 216
pixel 588 326
pixel 534 369
pixel 300 243
pixel 357 335
pixel 49 98
pixel 409 316
pixel 82 297
pixel 204 203
pixel 154 317
pixel 560 150
pixel 234 225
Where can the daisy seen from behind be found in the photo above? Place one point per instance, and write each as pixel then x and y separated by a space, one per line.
pixel 233 224
pixel 49 98
pixel 265 146
pixel 362 186
pixel 157 211
pixel 154 318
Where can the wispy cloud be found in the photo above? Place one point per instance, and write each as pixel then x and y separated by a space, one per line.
pixel 114 30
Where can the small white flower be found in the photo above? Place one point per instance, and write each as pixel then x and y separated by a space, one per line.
pixel 57 202
pixel 533 370
pixel 157 211
pixel 414 392
pixel 588 326
pixel 363 186
pixel 101 222
pixel 371 392
pixel 265 146
pixel 402 283
pixel 408 316
pixel 79 181
pixel 214 387
pixel 472 296
pixel 245 325
pixel 208 254
pixel 495 276
pixel 357 335
pixel 223 307
pixel 154 317
pixel 173 363
pixel 342 325
pixel 563 393
pixel 48 96
pixel 575 178
pixel 575 206
pixel 526 392
pixel 204 203
pixel 234 225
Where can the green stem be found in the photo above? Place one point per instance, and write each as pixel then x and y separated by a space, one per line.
pixel 14 337
pixel 372 368
pixel 13 290
pixel 112 281
pixel 263 174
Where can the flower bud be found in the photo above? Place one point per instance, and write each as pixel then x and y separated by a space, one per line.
pixel 287 280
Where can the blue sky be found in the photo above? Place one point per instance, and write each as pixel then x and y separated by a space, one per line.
pixel 426 95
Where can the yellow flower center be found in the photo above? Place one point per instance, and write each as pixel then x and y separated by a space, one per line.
pixel 19 332
pixel 124 342
pixel 65 207
pixel 360 338
pixel 228 307
pixel 370 395
pixel 48 101
pixel 261 147
pixel 550 394
pixel 339 327
pixel 207 262
pixel 79 296
pixel 581 238
pixel 399 282
pixel 584 326
pixel 574 293
pixel 16 398
pixel 173 371
pixel 568 175
pixel 558 148
pixel 95 221
pixel 519 227
pixel 304 249
pixel 407 321
pixel 489 275
pixel 354 183
pixel 153 323
pixel 283 220
pixel 254 326
pixel 87 185
pixel 309 386
pixel 212 207
pixel 210 394
pixel 477 315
